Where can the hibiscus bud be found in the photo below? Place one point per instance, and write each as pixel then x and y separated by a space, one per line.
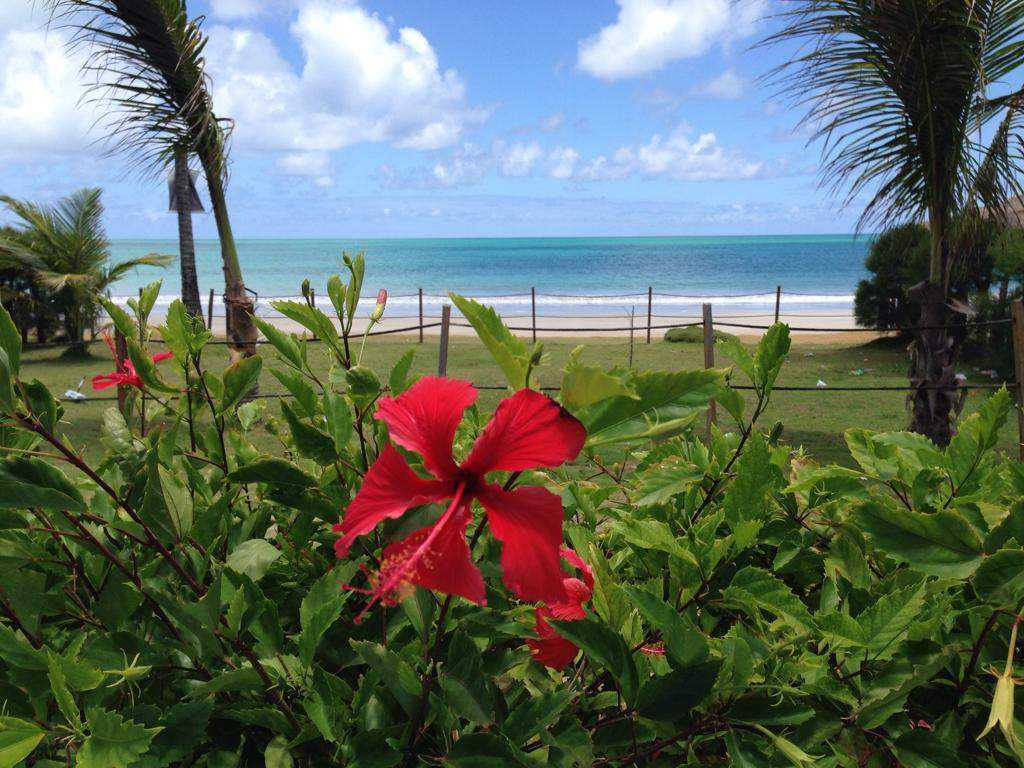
pixel 1002 698
pixel 378 310
pixel 305 288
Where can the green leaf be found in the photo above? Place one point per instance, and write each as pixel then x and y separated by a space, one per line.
pixel 31 482
pixel 253 558
pixel 286 344
pixel 178 501
pixel 299 389
pixel 398 676
pixel 653 534
pixel 747 495
pixel 757 590
pixel 484 750
pixel 666 479
pixel 398 380
pixel 311 319
pixel 665 404
pixel 8 400
pixel 146 368
pixel 147 300
pixel 1000 578
pixel 339 420
pixel 310 441
pixel 239 379
pixel 509 352
pixel 770 355
pixel 940 544
pixel 684 643
pixel 670 697
pixel 61 691
pixel 321 607
pixel 277 755
pixel 363 385
pixel 121 319
pixel 18 738
pixel 10 341
pixel 273 472
pixel 113 741
pixel 584 385
pixel 606 647
pixel 534 714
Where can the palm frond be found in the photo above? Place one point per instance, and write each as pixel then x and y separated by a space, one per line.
pixel 892 88
pixel 146 57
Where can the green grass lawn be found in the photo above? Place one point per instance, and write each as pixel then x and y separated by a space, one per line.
pixel 815 420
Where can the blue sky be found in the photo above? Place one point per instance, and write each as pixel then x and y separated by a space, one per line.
pixel 380 118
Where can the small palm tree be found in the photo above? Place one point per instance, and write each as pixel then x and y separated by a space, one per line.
pixel 65 249
pixel 899 93
pixel 147 56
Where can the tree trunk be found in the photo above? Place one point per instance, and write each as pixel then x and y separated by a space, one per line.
pixel 238 305
pixel 1004 288
pixel 932 360
pixel 186 241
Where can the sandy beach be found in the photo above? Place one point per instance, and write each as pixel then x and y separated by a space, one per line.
pixel 841 326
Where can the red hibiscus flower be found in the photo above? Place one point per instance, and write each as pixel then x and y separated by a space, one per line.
pixel 125 375
pixel 550 648
pixel 527 431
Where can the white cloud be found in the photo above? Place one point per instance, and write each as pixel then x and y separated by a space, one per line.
pixel 552 122
pixel 518 159
pixel 40 89
pixel 373 87
pixel 315 166
pixel 727 85
pixel 648 34
pixel 467 165
pixel 562 162
pixel 676 156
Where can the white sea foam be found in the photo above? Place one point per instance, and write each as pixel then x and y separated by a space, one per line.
pixel 551 303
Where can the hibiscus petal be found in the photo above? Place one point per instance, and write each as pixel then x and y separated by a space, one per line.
pixel 424 419
pixel 550 648
pixel 104 380
pixel 528 430
pixel 388 490
pixel 528 522
pixel 444 564
pixel 572 558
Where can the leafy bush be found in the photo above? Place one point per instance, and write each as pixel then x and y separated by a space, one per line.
pixel 721 602
pixel 695 335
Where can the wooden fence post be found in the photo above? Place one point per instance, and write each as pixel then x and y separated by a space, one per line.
pixel 421 315
pixel 778 301
pixel 709 357
pixel 650 309
pixel 209 311
pixel 1017 311
pixel 312 297
pixel 533 312
pixel 442 352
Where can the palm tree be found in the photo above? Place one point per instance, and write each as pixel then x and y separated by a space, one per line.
pixel 186 242
pixel 64 248
pixel 147 56
pixel 898 92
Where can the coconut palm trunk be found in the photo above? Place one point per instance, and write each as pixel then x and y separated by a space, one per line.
pixel 932 373
pixel 186 239
pixel 238 306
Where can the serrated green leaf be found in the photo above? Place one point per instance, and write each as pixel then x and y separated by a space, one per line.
pixel 113 741
pixel 508 351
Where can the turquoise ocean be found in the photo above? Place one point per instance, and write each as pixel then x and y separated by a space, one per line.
pixel 572 276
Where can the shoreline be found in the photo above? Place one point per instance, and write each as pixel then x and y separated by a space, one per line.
pixel 840 325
